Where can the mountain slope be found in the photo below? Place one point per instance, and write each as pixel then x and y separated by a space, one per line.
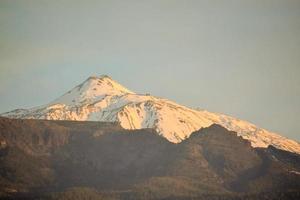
pixel 42 157
pixel 103 99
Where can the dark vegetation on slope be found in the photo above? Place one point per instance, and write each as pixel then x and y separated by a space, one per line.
pixel 63 160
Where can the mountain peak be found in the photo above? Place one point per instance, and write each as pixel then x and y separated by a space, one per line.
pixel 104 76
pixel 100 98
pixel 92 89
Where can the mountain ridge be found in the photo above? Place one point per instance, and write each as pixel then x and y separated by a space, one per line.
pixel 103 99
pixel 47 156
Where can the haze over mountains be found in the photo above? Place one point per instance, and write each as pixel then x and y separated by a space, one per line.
pixel 103 99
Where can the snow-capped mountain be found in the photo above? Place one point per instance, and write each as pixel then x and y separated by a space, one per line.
pixel 103 99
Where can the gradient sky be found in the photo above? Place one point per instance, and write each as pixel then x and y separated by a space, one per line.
pixel 240 58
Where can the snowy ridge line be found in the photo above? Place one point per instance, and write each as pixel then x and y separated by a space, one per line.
pixel 103 99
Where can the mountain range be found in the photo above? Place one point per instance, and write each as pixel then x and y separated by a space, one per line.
pixel 79 160
pixel 103 99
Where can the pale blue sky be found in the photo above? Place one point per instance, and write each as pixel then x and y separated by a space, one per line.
pixel 240 58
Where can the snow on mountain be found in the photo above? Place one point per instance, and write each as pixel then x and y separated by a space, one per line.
pixel 93 89
pixel 103 99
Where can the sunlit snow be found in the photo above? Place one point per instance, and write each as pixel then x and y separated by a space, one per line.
pixel 103 99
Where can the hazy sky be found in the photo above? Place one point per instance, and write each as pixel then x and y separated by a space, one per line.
pixel 240 58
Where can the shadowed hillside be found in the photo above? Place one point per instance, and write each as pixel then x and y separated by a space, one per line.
pixel 42 159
